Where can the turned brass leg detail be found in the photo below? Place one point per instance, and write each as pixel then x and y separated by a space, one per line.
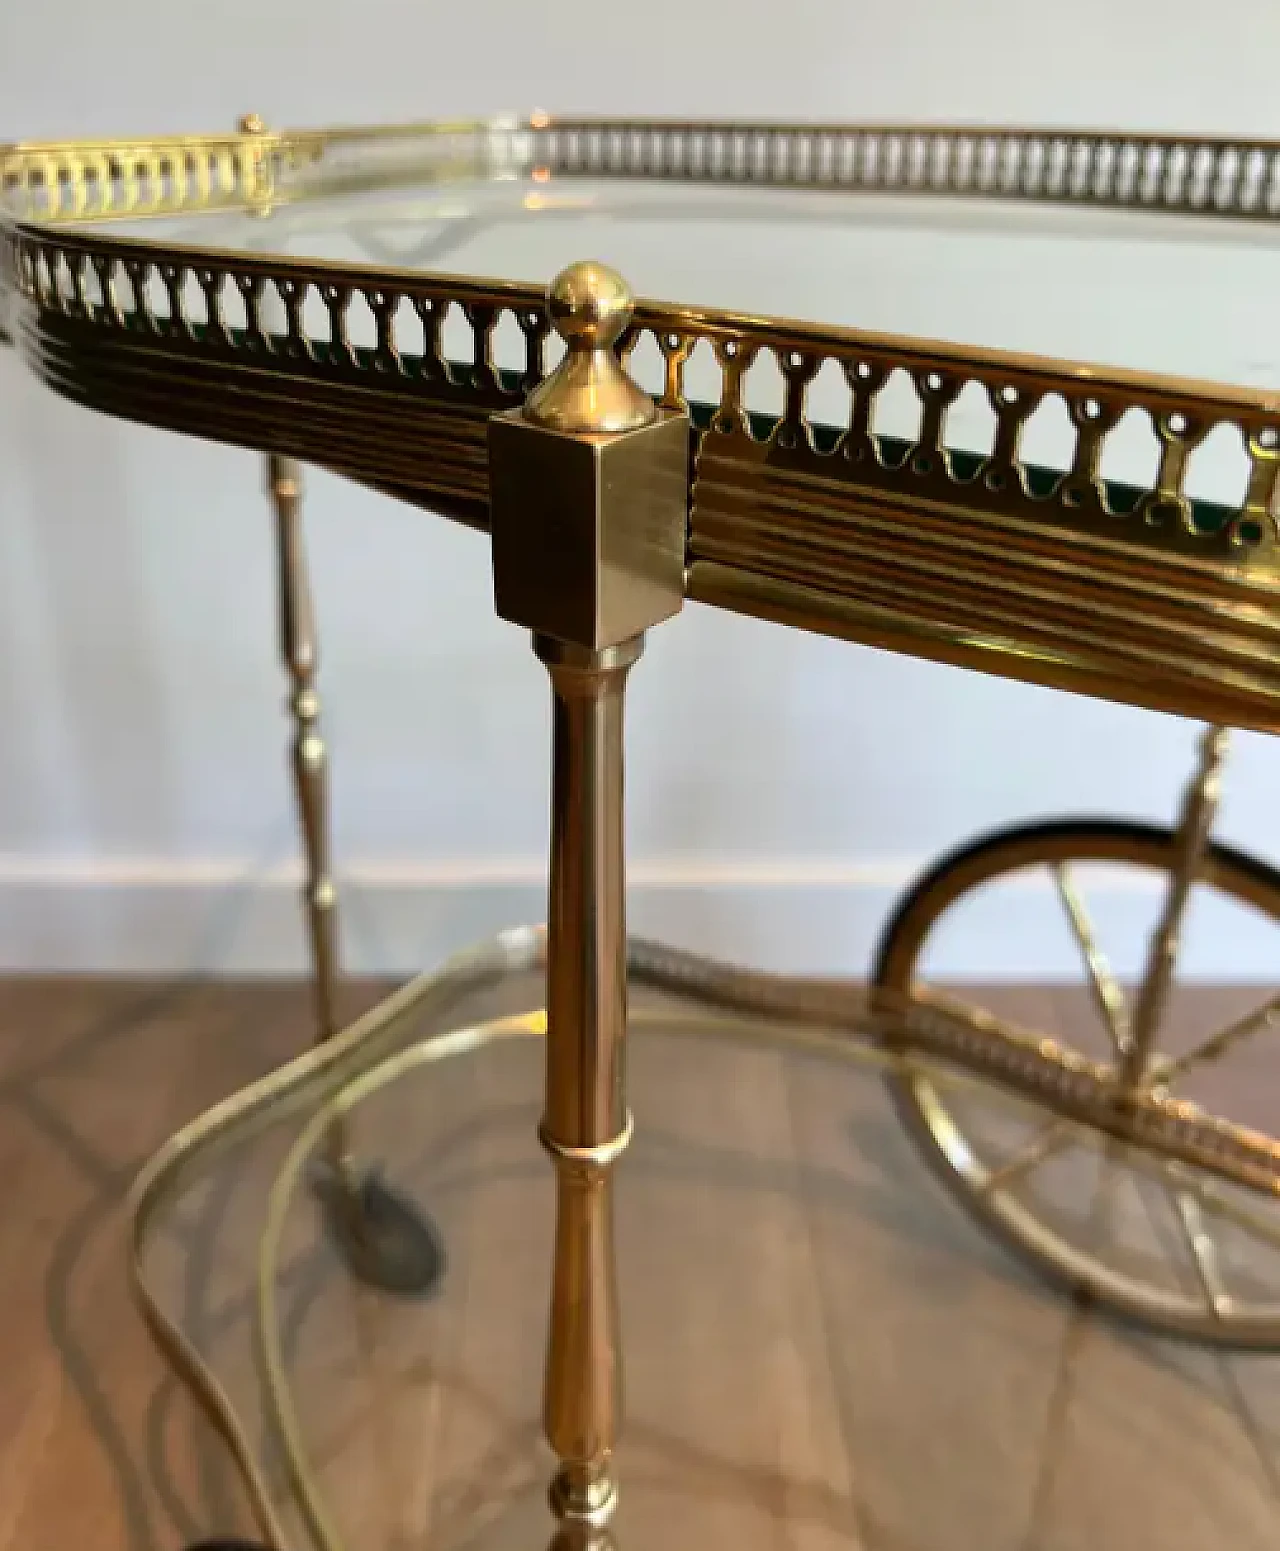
pixel 586 1126
pixel 386 1240
pixel 588 506
pixel 308 755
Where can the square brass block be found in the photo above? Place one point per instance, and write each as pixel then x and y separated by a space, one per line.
pixel 588 530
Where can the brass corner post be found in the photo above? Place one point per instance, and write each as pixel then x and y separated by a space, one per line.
pixel 308 756
pixel 259 179
pixel 588 502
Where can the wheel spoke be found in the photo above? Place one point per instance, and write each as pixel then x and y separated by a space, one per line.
pixel 1204 1253
pixel 1047 1143
pixel 1107 994
pixel 1207 1194
pixel 1217 1045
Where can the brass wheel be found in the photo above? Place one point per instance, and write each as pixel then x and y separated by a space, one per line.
pixel 1156 1241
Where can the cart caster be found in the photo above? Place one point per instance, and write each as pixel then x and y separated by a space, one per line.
pixel 382 1237
pixel 1162 1243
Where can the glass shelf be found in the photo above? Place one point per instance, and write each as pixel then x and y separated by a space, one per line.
pixel 1151 291
pixel 844 1361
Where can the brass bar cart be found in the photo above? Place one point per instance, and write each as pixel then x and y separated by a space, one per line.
pixel 235 287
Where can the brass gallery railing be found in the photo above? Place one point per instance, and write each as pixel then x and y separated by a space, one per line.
pixel 1229 175
pixel 968 555
pixel 1184 173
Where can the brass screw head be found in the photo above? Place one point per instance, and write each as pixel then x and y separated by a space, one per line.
pixel 589 392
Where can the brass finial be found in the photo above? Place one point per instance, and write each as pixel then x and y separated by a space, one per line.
pixel 589 392
pixel 252 124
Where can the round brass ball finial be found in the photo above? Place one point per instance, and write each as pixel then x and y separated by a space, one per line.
pixel 590 391
pixel 590 305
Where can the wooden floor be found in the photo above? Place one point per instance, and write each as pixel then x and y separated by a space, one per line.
pixel 822 1350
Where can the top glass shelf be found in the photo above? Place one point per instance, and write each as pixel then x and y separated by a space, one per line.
pixel 1007 398
pixel 1192 296
pixel 1155 256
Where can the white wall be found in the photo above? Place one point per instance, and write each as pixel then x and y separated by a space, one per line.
pixel 781 788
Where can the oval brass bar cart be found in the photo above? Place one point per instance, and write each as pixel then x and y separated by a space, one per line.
pixel 380 303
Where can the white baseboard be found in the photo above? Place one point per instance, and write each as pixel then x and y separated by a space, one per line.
pixel 145 916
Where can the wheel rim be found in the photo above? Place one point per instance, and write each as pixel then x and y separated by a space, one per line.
pixel 1157 1241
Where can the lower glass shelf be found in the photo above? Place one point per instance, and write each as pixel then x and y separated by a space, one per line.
pixel 821 1349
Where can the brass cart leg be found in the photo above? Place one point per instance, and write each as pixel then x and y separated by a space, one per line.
pixel 588 486
pixel 586 1125
pixel 309 756
pixel 383 1237
pixel 1195 822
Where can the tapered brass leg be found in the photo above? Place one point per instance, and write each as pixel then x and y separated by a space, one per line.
pixel 586 1125
pixel 309 757
pixel 384 1238
pixel 1199 807
pixel 588 500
